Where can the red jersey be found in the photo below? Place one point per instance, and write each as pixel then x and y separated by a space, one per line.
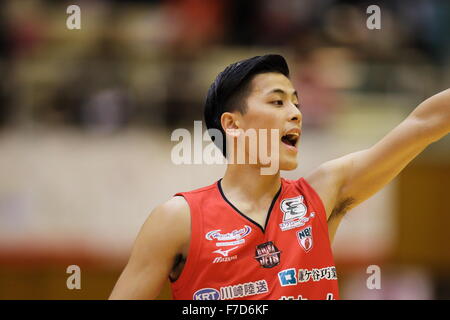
pixel 233 257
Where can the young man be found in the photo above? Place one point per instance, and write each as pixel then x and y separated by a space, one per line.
pixel 256 236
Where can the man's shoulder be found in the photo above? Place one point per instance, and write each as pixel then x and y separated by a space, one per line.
pixel 207 188
pixel 170 220
pixel 173 209
pixel 177 209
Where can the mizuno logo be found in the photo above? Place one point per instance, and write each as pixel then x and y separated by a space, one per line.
pixel 225 252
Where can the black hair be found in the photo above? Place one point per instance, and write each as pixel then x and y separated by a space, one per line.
pixel 230 88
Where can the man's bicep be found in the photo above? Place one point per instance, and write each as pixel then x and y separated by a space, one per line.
pixel 369 170
pixel 152 257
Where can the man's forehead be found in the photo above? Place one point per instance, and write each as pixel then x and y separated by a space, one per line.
pixel 267 83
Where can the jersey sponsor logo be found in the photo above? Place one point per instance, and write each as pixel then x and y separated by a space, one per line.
pixel 233 291
pixel 299 297
pixel 231 243
pixel 207 294
pixel 225 257
pixel 294 213
pixel 327 273
pixel 288 277
pixel 267 254
pixel 330 296
pixel 244 290
pixel 229 239
pixel 225 252
pixel 293 208
pixel 305 238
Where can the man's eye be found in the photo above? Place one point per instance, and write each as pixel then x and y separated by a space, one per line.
pixel 278 102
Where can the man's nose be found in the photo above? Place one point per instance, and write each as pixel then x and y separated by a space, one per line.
pixel 296 115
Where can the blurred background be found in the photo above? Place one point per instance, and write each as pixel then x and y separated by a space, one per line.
pixel 86 118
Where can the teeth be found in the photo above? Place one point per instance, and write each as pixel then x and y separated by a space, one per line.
pixel 292 134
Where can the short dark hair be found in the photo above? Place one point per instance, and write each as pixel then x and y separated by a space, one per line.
pixel 230 89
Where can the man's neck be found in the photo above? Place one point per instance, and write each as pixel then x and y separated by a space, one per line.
pixel 247 183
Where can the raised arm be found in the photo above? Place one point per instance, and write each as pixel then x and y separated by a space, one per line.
pixel 160 239
pixel 345 182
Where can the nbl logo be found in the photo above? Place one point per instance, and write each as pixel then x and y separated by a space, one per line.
pixel 305 238
pixel 268 255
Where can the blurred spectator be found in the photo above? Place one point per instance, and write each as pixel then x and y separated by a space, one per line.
pixel 183 103
pixel 96 94
pixel 318 98
pixel 243 21
pixel 5 62
pixel 199 21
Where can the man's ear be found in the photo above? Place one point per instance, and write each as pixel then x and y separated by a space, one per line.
pixel 230 123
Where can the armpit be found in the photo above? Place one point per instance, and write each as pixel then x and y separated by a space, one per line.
pixel 341 208
pixel 178 266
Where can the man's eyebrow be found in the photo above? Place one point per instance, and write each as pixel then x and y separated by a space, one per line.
pixel 281 91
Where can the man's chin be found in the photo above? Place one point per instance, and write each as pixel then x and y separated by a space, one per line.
pixel 288 165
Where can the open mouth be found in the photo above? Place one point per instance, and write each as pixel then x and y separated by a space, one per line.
pixel 290 139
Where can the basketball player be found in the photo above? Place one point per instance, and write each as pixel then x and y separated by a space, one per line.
pixel 255 236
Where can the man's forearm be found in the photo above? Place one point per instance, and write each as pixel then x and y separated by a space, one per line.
pixel 434 116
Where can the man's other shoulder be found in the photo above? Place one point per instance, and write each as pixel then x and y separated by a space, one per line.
pixel 171 218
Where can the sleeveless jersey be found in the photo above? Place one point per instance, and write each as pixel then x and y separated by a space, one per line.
pixel 233 257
